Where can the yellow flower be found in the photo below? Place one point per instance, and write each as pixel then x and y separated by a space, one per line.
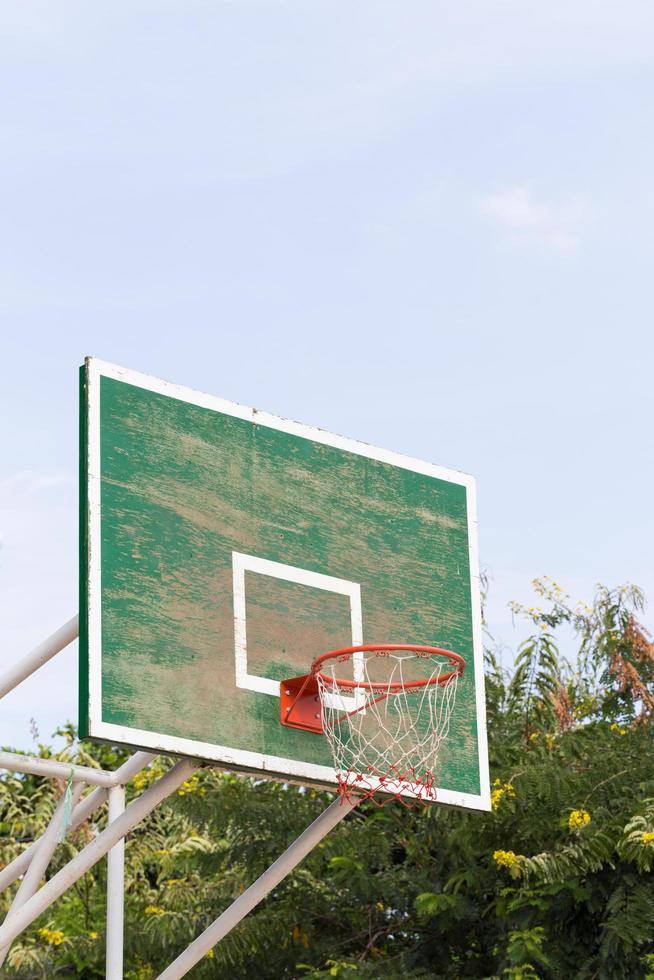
pixel 154 910
pixel 53 937
pixel 508 860
pixel 148 776
pixel 93 935
pixel 648 837
pixel 499 791
pixel 534 736
pixel 209 955
pixel 496 798
pixel 299 935
pixel 616 728
pixel 578 819
pixel 190 785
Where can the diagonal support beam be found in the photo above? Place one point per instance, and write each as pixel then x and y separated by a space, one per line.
pixel 40 862
pixel 259 889
pixel 68 875
pixel 39 656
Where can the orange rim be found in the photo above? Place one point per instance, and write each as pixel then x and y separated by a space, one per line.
pixel 380 650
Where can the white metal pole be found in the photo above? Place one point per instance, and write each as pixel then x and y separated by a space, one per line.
pixel 39 656
pixel 259 889
pixel 52 769
pixel 82 812
pixel 115 891
pixel 39 862
pixel 68 875
pixel 132 767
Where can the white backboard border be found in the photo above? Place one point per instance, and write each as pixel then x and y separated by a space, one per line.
pixel 224 756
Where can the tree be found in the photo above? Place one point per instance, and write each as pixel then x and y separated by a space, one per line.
pixel 554 882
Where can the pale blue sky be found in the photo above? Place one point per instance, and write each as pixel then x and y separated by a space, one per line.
pixel 425 225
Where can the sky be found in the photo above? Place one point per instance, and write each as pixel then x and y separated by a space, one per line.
pixel 425 226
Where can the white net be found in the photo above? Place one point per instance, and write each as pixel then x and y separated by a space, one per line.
pixel 385 738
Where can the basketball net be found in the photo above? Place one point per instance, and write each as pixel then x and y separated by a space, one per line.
pixel 386 735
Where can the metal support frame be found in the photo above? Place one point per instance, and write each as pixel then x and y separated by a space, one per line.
pixel 91 854
pixel 39 863
pixel 56 770
pixel 259 889
pixel 31 901
pixel 115 891
pixel 32 863
pixel 39 656
pixel 134 765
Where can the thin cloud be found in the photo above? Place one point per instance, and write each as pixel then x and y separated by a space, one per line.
pixel 28 497
pixel 557 227
pixel 28 482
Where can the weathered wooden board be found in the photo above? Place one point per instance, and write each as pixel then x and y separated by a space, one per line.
pixel 224 548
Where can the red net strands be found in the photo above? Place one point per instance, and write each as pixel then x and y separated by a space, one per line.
pixel 386 733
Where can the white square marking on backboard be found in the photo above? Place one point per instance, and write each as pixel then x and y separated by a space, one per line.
pixel 289 573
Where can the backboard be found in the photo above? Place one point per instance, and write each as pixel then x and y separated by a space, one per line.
pixel 224 548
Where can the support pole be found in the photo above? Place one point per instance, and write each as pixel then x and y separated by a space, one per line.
pixel 82 812
pixel 68 875
pixel 259 889
pixel 52 769
pixel 39 863
pixel 39 656
pixel 115 891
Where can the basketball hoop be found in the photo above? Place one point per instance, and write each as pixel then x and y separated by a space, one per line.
pixel 385 725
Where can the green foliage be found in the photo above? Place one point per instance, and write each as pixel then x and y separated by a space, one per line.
pixel 555 882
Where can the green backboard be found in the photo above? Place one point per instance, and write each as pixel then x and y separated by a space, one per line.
pixel 223 549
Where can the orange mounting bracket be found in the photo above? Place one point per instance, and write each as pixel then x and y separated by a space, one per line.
pixel 300 704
